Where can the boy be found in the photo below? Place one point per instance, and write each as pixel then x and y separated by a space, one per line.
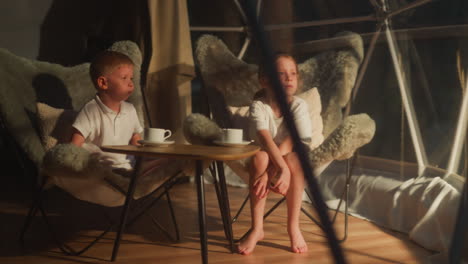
pixel 107 119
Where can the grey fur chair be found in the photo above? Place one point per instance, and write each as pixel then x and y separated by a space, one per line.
pixel 38 103
pixel 230 85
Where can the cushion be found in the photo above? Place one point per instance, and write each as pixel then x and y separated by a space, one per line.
pixel 55 124
pixel 312 97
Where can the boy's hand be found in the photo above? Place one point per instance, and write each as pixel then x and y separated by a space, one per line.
pixel 260 186
pixel 280 180
pixel 135 138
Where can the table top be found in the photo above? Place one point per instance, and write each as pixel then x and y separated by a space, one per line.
pixel 183 151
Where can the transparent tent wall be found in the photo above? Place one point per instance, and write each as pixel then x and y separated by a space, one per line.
pixel 432 54
pixel 433 60
pixel 413 88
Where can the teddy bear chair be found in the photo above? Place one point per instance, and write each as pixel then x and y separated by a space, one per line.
pixel 327 81
pixel 38 103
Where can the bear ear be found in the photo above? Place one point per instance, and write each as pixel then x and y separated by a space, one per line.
pixel 231 77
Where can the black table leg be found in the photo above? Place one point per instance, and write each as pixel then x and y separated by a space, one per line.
pixel 123 217
pixel 201 211
pixel 226 209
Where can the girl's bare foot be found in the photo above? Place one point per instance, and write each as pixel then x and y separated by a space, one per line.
pixel 247 245
pixel 298 244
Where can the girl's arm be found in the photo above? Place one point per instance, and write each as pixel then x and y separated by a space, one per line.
pixel 271 148
pixel 279 181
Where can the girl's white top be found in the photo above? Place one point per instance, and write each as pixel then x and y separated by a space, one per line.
pixel 262 117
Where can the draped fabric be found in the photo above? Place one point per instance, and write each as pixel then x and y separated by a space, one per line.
pixel 171 66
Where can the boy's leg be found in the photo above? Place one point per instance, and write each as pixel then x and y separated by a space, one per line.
pixel 151 164
pixel 258 168
pixel 294 202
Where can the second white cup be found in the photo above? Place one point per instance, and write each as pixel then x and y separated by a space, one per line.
pixel 232 135
pixel 156 134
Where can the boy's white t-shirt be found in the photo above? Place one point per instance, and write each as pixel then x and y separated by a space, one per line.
pixel 262 117
pixel 102 126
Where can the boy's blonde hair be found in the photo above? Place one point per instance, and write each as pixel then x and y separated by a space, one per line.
pixel 105 62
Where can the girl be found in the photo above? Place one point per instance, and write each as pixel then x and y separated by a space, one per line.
pixel 276 167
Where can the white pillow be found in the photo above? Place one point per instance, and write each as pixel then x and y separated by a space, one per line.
pixel 312 97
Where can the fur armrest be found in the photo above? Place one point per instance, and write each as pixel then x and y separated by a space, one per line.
pixel 199 129
pixel 77 171
pixel 353 133
pixel 68 160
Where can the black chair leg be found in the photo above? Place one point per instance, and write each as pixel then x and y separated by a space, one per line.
pixel 37 206
pixel 31 213
pixel 67 250
pixel 344 197
pixel 234 219
pixel 144 204
pixel 157 224
pixel 174 221
pixel 266 215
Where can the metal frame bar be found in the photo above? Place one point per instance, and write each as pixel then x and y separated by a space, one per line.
pixel 460 134
pixel 323 22
pixel 407 101
pixel 461 228
pixel 365 63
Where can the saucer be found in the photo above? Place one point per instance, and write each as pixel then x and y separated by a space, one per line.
pixel 229 144
pixel 155 144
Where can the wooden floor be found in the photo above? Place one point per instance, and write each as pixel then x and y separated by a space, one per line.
pixel 142 243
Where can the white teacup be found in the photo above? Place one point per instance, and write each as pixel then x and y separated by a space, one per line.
pixel 232 135
pixel 156 134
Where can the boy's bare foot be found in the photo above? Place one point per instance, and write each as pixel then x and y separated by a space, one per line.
pixel 298 244
pixel 247 245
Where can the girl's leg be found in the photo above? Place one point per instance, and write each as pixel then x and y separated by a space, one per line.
pixel 294 202
pixel 258 168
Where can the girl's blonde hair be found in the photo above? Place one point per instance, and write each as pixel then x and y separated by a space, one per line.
pixel 262 66
pixel 263 74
